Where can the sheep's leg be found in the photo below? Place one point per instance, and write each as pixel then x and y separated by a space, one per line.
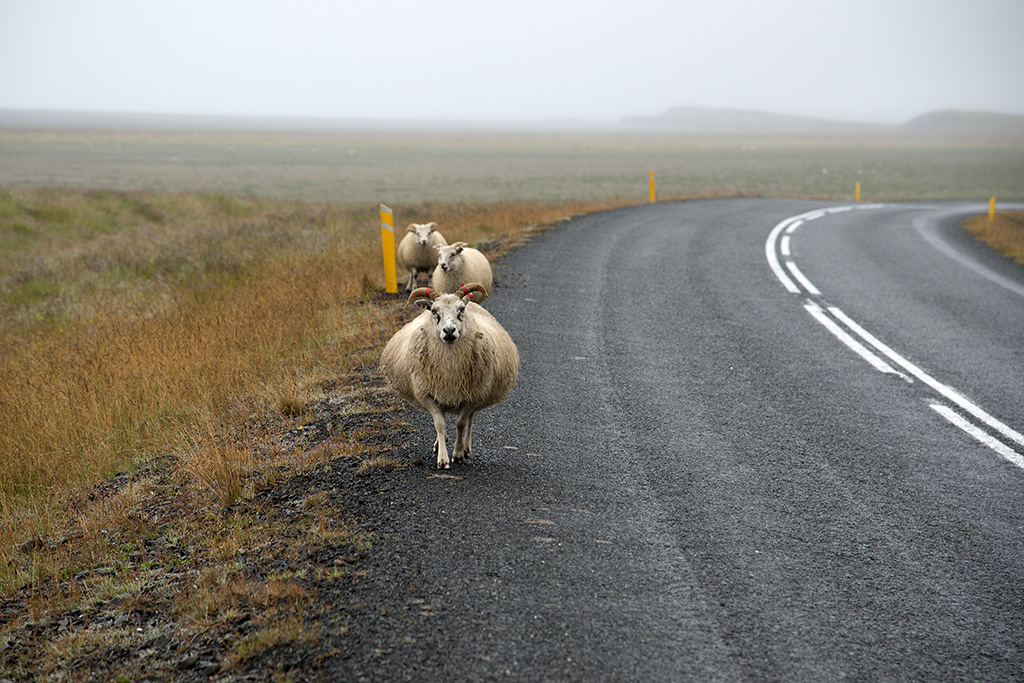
pixel 463 436
pixel 440 448
pixel 412 279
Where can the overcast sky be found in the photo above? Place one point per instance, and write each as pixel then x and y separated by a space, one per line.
pixel 882 61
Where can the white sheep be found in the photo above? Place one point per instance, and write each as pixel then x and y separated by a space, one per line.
pixel 417 252
pixel 458 263
pixel 454 357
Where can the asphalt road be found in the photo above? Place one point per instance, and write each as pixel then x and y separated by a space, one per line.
pixel 706 472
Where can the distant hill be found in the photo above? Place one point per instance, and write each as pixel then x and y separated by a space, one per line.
pixel 689 120
pixel 968 123
pixel 743 121
pixel 708 121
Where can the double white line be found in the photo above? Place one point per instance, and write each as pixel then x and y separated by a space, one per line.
pixel 986 429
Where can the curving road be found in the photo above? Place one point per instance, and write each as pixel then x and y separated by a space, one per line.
pixel 751 440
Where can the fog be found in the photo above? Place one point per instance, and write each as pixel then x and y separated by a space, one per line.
pixel 880 61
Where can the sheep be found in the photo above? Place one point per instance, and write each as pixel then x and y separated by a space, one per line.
pixel 454 357
pixel 458 263
pixel 417 251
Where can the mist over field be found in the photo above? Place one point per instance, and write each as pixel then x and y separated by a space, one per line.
pixel 675 120
pixel 405 101
pixel 880 62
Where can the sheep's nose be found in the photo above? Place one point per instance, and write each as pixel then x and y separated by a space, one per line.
pixel 448 333
pixel 444 267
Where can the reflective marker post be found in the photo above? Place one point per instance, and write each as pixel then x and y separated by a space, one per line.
pixel 857 193
pixel 651 183
pixel 387 238
pixel 992 208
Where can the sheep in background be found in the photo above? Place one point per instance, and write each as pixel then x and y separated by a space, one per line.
pixel 417 252
pixel 454 357
pixel 458 263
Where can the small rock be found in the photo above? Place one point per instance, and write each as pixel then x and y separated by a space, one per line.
pixel 188 662
pixel 33 545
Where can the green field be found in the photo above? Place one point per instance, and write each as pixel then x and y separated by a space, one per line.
pixel 413 167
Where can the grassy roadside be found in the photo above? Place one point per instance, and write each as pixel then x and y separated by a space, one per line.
pixel 188 342
pixel 1004 233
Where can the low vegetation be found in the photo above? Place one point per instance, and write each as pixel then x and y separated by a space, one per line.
pixel 349 167
pixel 1004 232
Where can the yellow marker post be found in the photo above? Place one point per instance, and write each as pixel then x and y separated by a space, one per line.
pixel 857 193
pixel 992 208
pixel 387 238
pixel 651 183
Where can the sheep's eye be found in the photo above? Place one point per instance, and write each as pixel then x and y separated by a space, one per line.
pixel 462 311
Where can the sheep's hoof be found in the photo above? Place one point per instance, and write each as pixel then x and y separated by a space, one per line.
pixel 443 464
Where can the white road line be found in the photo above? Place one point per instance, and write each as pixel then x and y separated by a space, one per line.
pixel 802 279
pixel 998 446
pixel 841 334
pixel 934 239
pixel 773 259
pixel 791 224
pixel 948 392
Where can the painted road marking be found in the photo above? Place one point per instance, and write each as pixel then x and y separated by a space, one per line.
pixel 871 349
pixel 819 315
pixel 802 279
pixel 998 446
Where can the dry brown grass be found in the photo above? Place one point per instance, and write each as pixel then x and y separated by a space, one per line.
pixel 137 324
pixel 1005 232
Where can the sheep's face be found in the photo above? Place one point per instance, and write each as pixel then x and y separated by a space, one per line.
pixel 423 231
pixel 448 256
pixel 449 316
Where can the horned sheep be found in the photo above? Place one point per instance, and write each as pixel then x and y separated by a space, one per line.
pixel 454 357
pixel 417 252
pixel 458 263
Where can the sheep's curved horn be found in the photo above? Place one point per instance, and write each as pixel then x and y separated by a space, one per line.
pixel 411 228
pixel 459 244
pixel 422 293
pixel 474 291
